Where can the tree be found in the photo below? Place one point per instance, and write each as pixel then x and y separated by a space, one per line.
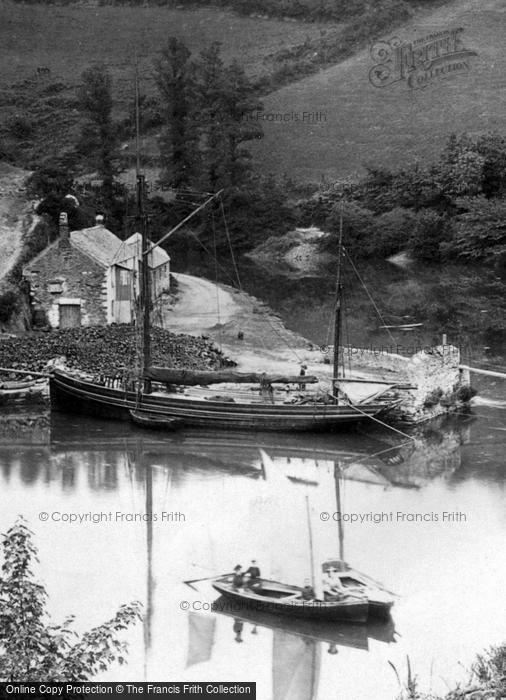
pixel 209 106
pixel 359 228
pixel 492 147
pixel 240 110
pixel 479 229
pixel 33 648
pixel 459 171
pixel 225 104
pixel 429 232
pixel 178 143
pixel 414 187
pixel 99 136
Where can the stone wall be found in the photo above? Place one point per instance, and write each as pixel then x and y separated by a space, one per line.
pixel 81 279
pixel 439 382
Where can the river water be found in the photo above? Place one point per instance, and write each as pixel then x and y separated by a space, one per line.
pixel 439 502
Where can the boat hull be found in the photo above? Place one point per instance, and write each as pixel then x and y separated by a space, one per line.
pixel 380 600
pixel 72 394
pixel 292 604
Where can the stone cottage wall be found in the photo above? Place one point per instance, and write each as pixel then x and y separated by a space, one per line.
pixel 81 277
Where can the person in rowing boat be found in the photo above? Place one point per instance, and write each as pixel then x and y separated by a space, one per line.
pixel 238 578
pixel 253 574
pixel 307 591
pixel 333 589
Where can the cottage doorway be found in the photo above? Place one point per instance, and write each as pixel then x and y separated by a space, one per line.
pixel 70 315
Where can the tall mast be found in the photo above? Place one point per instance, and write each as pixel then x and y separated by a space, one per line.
pixel 145 286
pixel 337 476
pixel 316 573
pixel 145 292
pixel 337 308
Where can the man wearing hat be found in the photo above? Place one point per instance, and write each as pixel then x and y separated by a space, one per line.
pixel 253 570
pixel 254 575
pixel 238 579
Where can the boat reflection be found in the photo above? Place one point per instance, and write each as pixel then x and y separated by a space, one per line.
pixel 354 635
pixel 69 443
pixel 297 645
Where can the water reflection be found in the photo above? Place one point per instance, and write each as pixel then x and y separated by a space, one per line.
pixel 106 447
pixel 232 514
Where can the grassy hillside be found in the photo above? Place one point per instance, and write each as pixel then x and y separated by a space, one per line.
pixel 388 126
pixel 44 49
pixel 66 39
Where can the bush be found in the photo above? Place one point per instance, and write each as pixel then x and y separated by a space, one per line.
pixel 50 179
pixel 429 233
pixel 33 648
pixel 358 229
pixel 478 231
pixel 393 231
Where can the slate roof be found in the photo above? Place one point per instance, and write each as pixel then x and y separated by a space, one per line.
pixel 97 242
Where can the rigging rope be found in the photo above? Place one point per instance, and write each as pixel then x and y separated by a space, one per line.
pixel 377 420
pixel 377 454
pixel 216 280
pixel 230 244
pixel 369 295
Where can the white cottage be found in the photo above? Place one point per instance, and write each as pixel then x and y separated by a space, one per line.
pixel 90 277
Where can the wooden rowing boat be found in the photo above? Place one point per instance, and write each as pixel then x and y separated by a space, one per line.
pixel 380 599
pixel 155 422
pixel 346 634
pixel 284 599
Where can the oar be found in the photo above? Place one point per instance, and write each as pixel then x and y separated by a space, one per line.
pixel 199 580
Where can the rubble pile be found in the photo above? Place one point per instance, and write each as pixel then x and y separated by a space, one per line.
pixel 107 350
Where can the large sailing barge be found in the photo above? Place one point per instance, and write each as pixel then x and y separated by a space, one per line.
pixel 157 397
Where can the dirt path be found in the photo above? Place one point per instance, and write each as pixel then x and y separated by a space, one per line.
pixel 16 214
pixel 266 344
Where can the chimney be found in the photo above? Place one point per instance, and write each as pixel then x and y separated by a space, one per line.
pixel 99 220
pixel 63 230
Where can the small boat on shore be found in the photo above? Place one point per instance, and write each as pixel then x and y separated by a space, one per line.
pixel 284 599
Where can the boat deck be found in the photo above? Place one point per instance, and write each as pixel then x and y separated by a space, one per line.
pixel 249 395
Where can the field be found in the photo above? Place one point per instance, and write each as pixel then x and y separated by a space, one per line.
pixel 67 39
pixel 361 124
pixel 334 122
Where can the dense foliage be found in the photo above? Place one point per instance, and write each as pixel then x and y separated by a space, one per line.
pixel 453 209
pixel 32 648
pixel 302 10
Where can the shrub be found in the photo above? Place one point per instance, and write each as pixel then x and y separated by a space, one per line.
pixel 478 231
pixel 393 231
pixel 33 648
pixel 430 231
pixel 358 229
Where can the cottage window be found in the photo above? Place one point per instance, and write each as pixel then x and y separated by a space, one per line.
pixel 55 287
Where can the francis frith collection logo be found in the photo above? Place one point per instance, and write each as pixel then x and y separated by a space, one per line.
pixel 417 63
